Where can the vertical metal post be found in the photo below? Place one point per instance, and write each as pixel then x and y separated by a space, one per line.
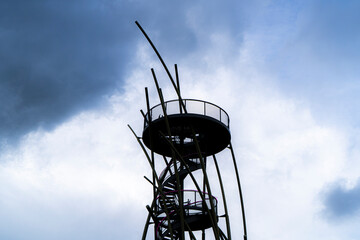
pixel 178 88
pixel 152 152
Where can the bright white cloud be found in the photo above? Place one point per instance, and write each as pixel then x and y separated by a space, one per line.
pixel 82 173
pixel 286 156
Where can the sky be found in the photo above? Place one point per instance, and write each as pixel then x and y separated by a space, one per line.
pixel 72 76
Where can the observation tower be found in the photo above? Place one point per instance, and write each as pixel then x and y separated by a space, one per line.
pixel 179 137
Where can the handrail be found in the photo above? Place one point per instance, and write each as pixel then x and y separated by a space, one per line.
pixel 171 164
pixel 163 176
pixel 221 114
pixel 196 203
pixel 215 201
pixel 188 190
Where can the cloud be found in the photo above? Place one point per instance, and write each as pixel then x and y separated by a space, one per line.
pixel 53 187
pixel 341 202
pixel 62 57
pixel 285 154
pixel 80 173
pixel 315 57
pixel 58 58
pixel 85 176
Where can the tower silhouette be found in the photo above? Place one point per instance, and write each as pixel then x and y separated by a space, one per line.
pixel 182 135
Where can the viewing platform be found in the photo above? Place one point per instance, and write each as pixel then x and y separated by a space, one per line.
pixel 203 121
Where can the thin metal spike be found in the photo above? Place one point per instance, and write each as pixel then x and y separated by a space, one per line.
pixel 181 106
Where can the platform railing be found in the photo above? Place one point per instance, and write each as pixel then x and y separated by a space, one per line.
pixel 191 200
pixel 192 204
pixel 193 106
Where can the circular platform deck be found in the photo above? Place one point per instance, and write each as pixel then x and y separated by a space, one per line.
pixel 211 132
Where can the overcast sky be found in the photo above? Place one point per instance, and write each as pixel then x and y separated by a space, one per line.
pixel 72 76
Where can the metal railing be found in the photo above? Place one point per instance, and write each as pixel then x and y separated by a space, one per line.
pixel 192 106
pixel 194 200
pixel 194 205
pixel 167 171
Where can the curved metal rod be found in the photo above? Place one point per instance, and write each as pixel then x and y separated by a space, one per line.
pixel 146 227
pixel 224 199
pixel 163 63
pixel 240 192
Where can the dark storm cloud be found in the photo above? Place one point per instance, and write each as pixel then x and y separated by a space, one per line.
pixel 57 57
pixel 340 202
pixel 60 57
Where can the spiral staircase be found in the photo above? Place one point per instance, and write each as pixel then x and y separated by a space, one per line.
pixel 167 212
